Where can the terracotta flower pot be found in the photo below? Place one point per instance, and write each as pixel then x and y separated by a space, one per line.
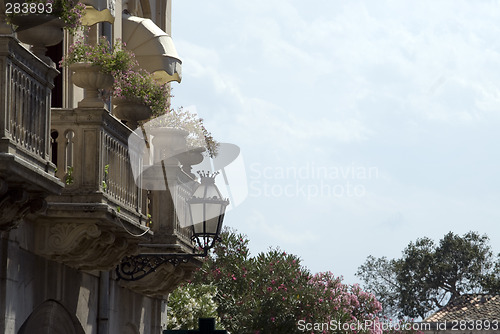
pixel 91 78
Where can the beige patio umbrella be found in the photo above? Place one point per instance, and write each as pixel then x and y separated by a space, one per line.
pixel 153 48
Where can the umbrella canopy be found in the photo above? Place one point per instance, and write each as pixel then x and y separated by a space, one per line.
pixel 153 48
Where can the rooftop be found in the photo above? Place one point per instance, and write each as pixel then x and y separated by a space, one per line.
pixel 469 307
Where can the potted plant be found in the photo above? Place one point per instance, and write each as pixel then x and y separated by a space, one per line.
pixel 94 66
pixel 180 134
pixel 138 96
pixel 39 23
pixel 32 13
pixel 198 137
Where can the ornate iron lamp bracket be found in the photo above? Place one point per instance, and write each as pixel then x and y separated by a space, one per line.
pixel 133 268
pixel 206 220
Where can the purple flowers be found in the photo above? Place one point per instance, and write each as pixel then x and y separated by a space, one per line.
pixel 130 82
pixel 136 84
pixel 140 86
pixel 70 11
pixel 111 59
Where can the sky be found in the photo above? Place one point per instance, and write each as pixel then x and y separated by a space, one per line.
pixel 363 125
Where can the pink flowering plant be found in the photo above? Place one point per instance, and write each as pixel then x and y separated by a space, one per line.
pixel 140 85
pixel 111 59
pixel 273 293
pixel 130 82
pixel 69 11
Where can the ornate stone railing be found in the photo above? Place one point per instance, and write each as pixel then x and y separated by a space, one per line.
pixel 26 173
pixel 171 235
pixel 118 182
pixel 102 215
pixel 93 161
pixel 184 191
pixel 101 210
pixel 26 107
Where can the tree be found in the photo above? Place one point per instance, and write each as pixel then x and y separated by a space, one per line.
pixel 273 293
pixel 188 304
pixel 430 275
pixel 381 277
pixel 491 281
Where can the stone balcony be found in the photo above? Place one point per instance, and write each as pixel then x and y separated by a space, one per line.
pixel 70 171
pixel 26 171
pixel 102 215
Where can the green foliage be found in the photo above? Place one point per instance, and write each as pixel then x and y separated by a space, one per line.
pixel 183 119
pixel 68 178
pixel 491 280
pixel 380 276
pixel 104 182
pixel 273 293
pixel 188 303
pixel 140 85
pixel 69 11
pixel 111 59
pixel 430 275
pixel 130 82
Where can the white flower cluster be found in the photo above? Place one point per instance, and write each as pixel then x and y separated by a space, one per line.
pixel 188 303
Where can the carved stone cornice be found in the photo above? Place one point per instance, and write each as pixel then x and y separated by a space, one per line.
pixel 15 204
pixel 83 245
pixel 164 280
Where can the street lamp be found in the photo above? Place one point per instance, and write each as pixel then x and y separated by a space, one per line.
pixel 207 208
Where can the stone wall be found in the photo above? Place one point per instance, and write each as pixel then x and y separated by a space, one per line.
pixel 49 297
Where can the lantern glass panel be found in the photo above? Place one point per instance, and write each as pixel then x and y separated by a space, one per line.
pixel 212 225
pixel 198 228
pixel 212 210
pixel 197 213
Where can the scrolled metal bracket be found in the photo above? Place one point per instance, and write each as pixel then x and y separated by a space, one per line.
pixel 133 268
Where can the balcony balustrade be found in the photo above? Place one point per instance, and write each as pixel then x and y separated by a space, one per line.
pixel 26 172
pixel 104 214
pixel 101 215
pixel 69 171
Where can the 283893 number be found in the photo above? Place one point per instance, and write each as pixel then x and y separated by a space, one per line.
pixel 28 8
pixel 476 325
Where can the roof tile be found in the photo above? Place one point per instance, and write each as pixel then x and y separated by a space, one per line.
pixel 469 307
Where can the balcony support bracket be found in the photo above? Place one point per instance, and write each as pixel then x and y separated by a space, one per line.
pixel 133 268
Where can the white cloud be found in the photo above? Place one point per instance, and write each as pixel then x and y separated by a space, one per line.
pixel 409 86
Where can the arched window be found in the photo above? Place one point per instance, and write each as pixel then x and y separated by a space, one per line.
pixel 130 329
pixel 51 317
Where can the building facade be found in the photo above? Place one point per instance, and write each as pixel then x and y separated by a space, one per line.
pixel 71 210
